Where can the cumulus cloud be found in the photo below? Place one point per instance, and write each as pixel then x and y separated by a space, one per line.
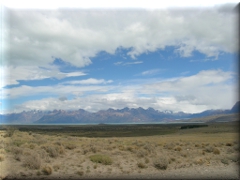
pixel 193 93
pixel 33 37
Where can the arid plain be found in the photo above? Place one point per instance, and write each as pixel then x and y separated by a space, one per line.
pixel 127 151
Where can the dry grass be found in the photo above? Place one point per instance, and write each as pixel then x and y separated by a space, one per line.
pixel 103 159
pixel 79 156
pixel 32 161
pixel 161 163
pixel 47 170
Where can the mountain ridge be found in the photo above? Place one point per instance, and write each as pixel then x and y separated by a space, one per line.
pixel 125 115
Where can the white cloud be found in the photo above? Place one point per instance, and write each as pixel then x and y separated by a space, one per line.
pixel 204 90
pixel 33 37
pixel 12 74
pixel 89 81
pixel 136 62
pixel 151 72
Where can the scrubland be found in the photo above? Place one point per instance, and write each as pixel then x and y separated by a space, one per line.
pixel 207 152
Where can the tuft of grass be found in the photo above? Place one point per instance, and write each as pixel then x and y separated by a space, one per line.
pixel 229 144
pixel 141 153
pixel 38 173
pixel 209 149
pixel 56 167
pixel 147 160
pixel 141 165
pixel 32 161
pixel 47 170
pixel 103 159
pixel 80 173
pixel 70 146
pixel 9 132
pixel 54 150
pixel 199 161
pixel 1 157
pixel 161 163
pixel 178 148
pixel 224 161
pixel 216 151
pixel 234 158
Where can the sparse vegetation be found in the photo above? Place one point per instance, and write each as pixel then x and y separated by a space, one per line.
pixel 47 170
pixel 103 159
pixel 141 165
pixel 32 161
pixel 161 163
pixel 216 151
pixel 41 153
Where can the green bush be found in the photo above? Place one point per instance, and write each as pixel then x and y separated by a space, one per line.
pixel 103 159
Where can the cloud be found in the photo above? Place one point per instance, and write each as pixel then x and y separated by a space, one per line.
pixel 128 63
pixel 33 37
pixel 136 62
pixel 12 74
pixel 89 81
pixel 63 98
pixel 151 72
pixel 204 90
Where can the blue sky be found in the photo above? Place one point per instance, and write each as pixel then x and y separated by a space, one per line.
pixel 179 60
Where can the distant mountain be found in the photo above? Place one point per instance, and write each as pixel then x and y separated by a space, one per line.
pixel 235 108
pixel 125 115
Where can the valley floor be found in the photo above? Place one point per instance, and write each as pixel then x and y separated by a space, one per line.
pixel 202 153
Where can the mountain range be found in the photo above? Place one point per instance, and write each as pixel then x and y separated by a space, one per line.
pixel 125 115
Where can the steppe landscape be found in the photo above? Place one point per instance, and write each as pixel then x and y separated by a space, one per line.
pixel 164 151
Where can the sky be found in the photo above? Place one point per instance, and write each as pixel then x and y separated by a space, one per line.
pixel 172 57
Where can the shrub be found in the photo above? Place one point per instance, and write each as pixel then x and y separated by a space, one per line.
pixel 209 149
pixel 146 160
pixel 234 158
pixel 141 153
pixel 32 161
pixel 47 170
pixel 199 161
pixel 169 146
pixel 80 173
pixel 141 165
pixel 229 144
pixel 17 157
pixel 216 151
pixel 9 132
pixel 53 151
pixel 103 159
pixel 70 146
pixel 161 163
pixel 149 147
pixel 17 150
pixel 1 157
pixel 230 150
pixel 178 148
pixel 56 167
pixel 236 147
pixel 224 161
